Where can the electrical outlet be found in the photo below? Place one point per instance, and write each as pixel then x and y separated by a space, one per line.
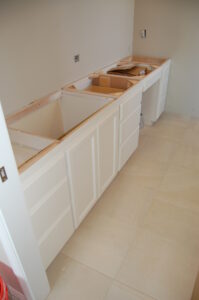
pixel 3 174
pixel 143 33
pixel 76 58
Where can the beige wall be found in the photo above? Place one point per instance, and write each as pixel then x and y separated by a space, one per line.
pixel 39 38
pixel 172 27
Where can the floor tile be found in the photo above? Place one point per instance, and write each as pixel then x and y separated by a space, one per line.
pixel 186 156
pixel 174 223
pixel 71 280
pixel 156 149
pixel 165 129
pixel 124 201
pixel 121 292
pixel 145 173
pixel 159 268
pixel 176 119
pixel 101 243
pixel 195 125
pixel 180 186
pixel 141 240
pixel 191 138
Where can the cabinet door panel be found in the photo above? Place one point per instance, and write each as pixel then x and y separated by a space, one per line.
pixel 163 89
pixel 83 170
pixel 108 150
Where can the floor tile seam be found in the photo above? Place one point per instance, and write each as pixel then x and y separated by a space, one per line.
pixel 167 137
pixel 171 242
pixel 155 198
pixel 195 169
pixel 133 288
pixel 177 205
pixel 88 267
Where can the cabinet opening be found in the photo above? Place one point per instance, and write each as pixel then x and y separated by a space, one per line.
pixel 60 116
pixel 102 84
pixel 42 127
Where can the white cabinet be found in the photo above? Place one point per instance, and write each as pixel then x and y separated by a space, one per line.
pixel 151 79
pixel 155 92
pixel 82 163
pixel 46 190
pixel 130 109
pixel 108 149
pixel 163 88
pixel 92 159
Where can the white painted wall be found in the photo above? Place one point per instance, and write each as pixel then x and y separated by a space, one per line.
pixel 39 38
pixel 172 27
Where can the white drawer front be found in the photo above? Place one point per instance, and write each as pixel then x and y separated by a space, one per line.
pixel 40 183
pixel 58 236
pixel 50 209
pixel 128 148
pixel 128 106
pixel 129 125
pixel 152 79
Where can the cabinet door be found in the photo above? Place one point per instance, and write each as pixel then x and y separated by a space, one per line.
pixel 82 162
pixel 163 89
pixel 108 132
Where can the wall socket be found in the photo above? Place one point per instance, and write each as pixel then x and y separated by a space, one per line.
pixel 143 33
pixel 76 58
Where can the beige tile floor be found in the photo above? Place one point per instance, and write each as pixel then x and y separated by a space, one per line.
pixel 141 240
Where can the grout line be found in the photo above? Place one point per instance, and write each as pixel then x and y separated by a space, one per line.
pixel 88 267
pixel 112 279
pixel 134 289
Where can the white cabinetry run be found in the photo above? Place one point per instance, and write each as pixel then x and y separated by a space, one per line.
pixel 70 146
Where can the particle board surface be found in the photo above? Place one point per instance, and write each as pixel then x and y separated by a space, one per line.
pixel 104 90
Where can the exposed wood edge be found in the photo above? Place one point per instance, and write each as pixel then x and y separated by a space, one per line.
pixel 156 62
pixel 144 59
pixel 34 105
pixel 68 89
pixel 73 89
pixel 151 60
pixel 95 75
pixel 36 157
pixel 133 79
pixel 136 79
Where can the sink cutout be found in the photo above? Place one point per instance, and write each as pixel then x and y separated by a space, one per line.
pixel 132 70
pixel 103 84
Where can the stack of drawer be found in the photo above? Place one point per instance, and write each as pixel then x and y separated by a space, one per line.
pixel 47 197
pixel 130 109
